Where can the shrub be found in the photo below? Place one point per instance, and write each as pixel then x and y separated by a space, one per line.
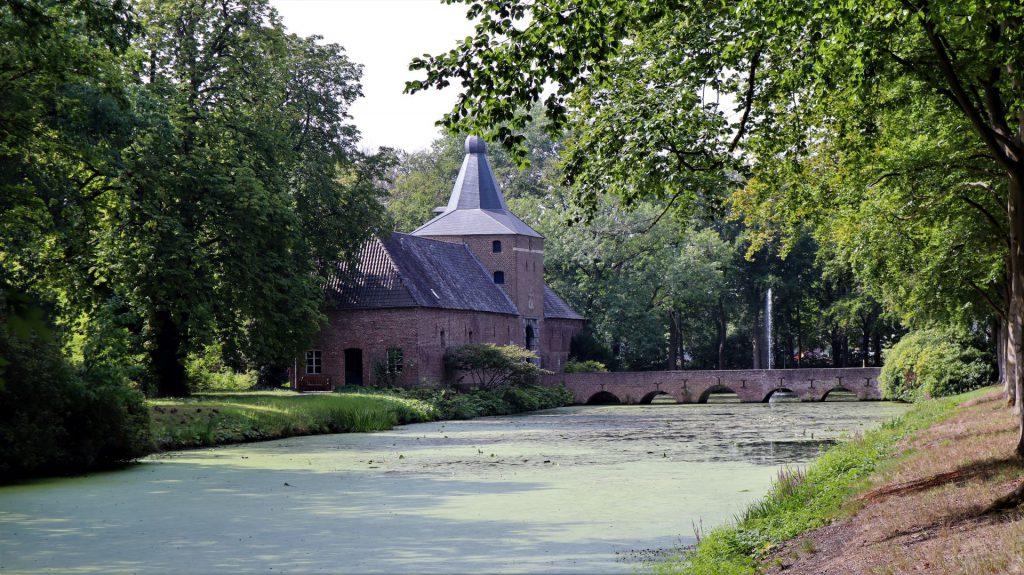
pixel 585 346
pixel 588 366
pixel 489 366
pixel 450 404
pixel 933 363
pixel 57 419
pixel 207 372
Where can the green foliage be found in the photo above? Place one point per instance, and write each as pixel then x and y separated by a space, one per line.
pixel 490 366
pixel 207 419
pixel 586 366
pixel 451 404
pixel 56 419
pixel 207 372
pixel 176 174
pixel 801 501
pixel 220 418
pixel 933 363
pixel 388 369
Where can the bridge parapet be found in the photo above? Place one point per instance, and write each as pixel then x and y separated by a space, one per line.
pixel 752 385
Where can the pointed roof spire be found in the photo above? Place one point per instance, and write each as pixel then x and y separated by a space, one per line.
pixel 476 206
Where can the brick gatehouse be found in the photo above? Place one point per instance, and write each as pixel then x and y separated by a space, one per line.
pixel 472 274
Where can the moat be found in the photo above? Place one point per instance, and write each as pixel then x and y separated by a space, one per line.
pixel 577 489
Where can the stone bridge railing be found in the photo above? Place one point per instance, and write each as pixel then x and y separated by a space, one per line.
pixel 752 385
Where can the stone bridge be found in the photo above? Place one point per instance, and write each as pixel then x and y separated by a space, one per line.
pixel 752 385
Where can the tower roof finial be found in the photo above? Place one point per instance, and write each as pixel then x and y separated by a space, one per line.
pixel 475 145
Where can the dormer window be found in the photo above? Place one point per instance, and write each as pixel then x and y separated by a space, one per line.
pixel 499 277
pixel 496 246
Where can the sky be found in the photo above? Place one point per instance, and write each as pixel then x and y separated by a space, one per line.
pixel 384 36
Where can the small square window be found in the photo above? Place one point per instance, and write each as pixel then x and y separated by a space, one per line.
pixel 496 246
pixel 499 277
pixel 314 364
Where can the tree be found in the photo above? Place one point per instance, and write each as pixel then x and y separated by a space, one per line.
pixel 490 366
pixel 806 71
pixel 176 176
pixel 241 182
pixel 62 121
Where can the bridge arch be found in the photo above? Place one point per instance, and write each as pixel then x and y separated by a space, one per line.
pixel 843 395
pixel 715 389
pixel 604 398
pixel 650 397
pixel 771 393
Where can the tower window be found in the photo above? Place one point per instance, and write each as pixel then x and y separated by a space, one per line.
pixel 496 246
pixel 499 277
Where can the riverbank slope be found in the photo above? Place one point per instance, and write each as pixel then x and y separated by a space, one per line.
pixel 911 497
pixel 211 419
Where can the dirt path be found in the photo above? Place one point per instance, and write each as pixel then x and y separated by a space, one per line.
pixel 925 513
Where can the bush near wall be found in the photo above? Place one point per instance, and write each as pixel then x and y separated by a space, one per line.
pixel 488 366
pixel 933 363
pixel 587 366
pixel 59 419
pixel 451 404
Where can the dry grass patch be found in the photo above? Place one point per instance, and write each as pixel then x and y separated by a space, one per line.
pixel 928 511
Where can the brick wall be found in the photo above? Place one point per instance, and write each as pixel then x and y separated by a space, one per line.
pixel 459 327
pixel 693 386
pixel 556 334
pixel 417 331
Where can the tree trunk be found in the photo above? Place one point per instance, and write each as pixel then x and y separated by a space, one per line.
pixel 876 346
pixel 799 339
pixel 865 342
pixel 165 357
pixel 1015 212
pixel 673 341
pixel 721 333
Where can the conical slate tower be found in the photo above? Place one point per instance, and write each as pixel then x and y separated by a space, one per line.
pixel 476 215
pixel 477 206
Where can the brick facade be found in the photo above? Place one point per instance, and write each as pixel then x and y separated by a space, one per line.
pixel 422 334
pixel 421 294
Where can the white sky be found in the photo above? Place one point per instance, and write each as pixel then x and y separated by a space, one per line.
pixel 384 36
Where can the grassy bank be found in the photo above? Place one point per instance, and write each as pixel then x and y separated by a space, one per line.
pixel 804 500
pixel 209 419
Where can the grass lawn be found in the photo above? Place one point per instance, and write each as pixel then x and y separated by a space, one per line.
pixel 207 419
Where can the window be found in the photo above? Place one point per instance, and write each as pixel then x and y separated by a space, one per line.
pixel 314 364
pixel 499 277
pixel 395 360
pixel 496 246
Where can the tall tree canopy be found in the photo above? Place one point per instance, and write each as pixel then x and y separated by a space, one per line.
pixel 182 178
pixel 669 99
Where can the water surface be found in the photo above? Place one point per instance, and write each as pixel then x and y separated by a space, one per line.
pixel 578 489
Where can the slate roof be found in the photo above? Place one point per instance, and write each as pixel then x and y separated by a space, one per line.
pixel 408 271
pixel 556 308
pixel 477 206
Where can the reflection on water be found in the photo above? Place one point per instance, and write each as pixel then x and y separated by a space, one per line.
pixel 566 490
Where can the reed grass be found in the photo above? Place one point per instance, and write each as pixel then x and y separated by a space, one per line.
pixel 219 418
